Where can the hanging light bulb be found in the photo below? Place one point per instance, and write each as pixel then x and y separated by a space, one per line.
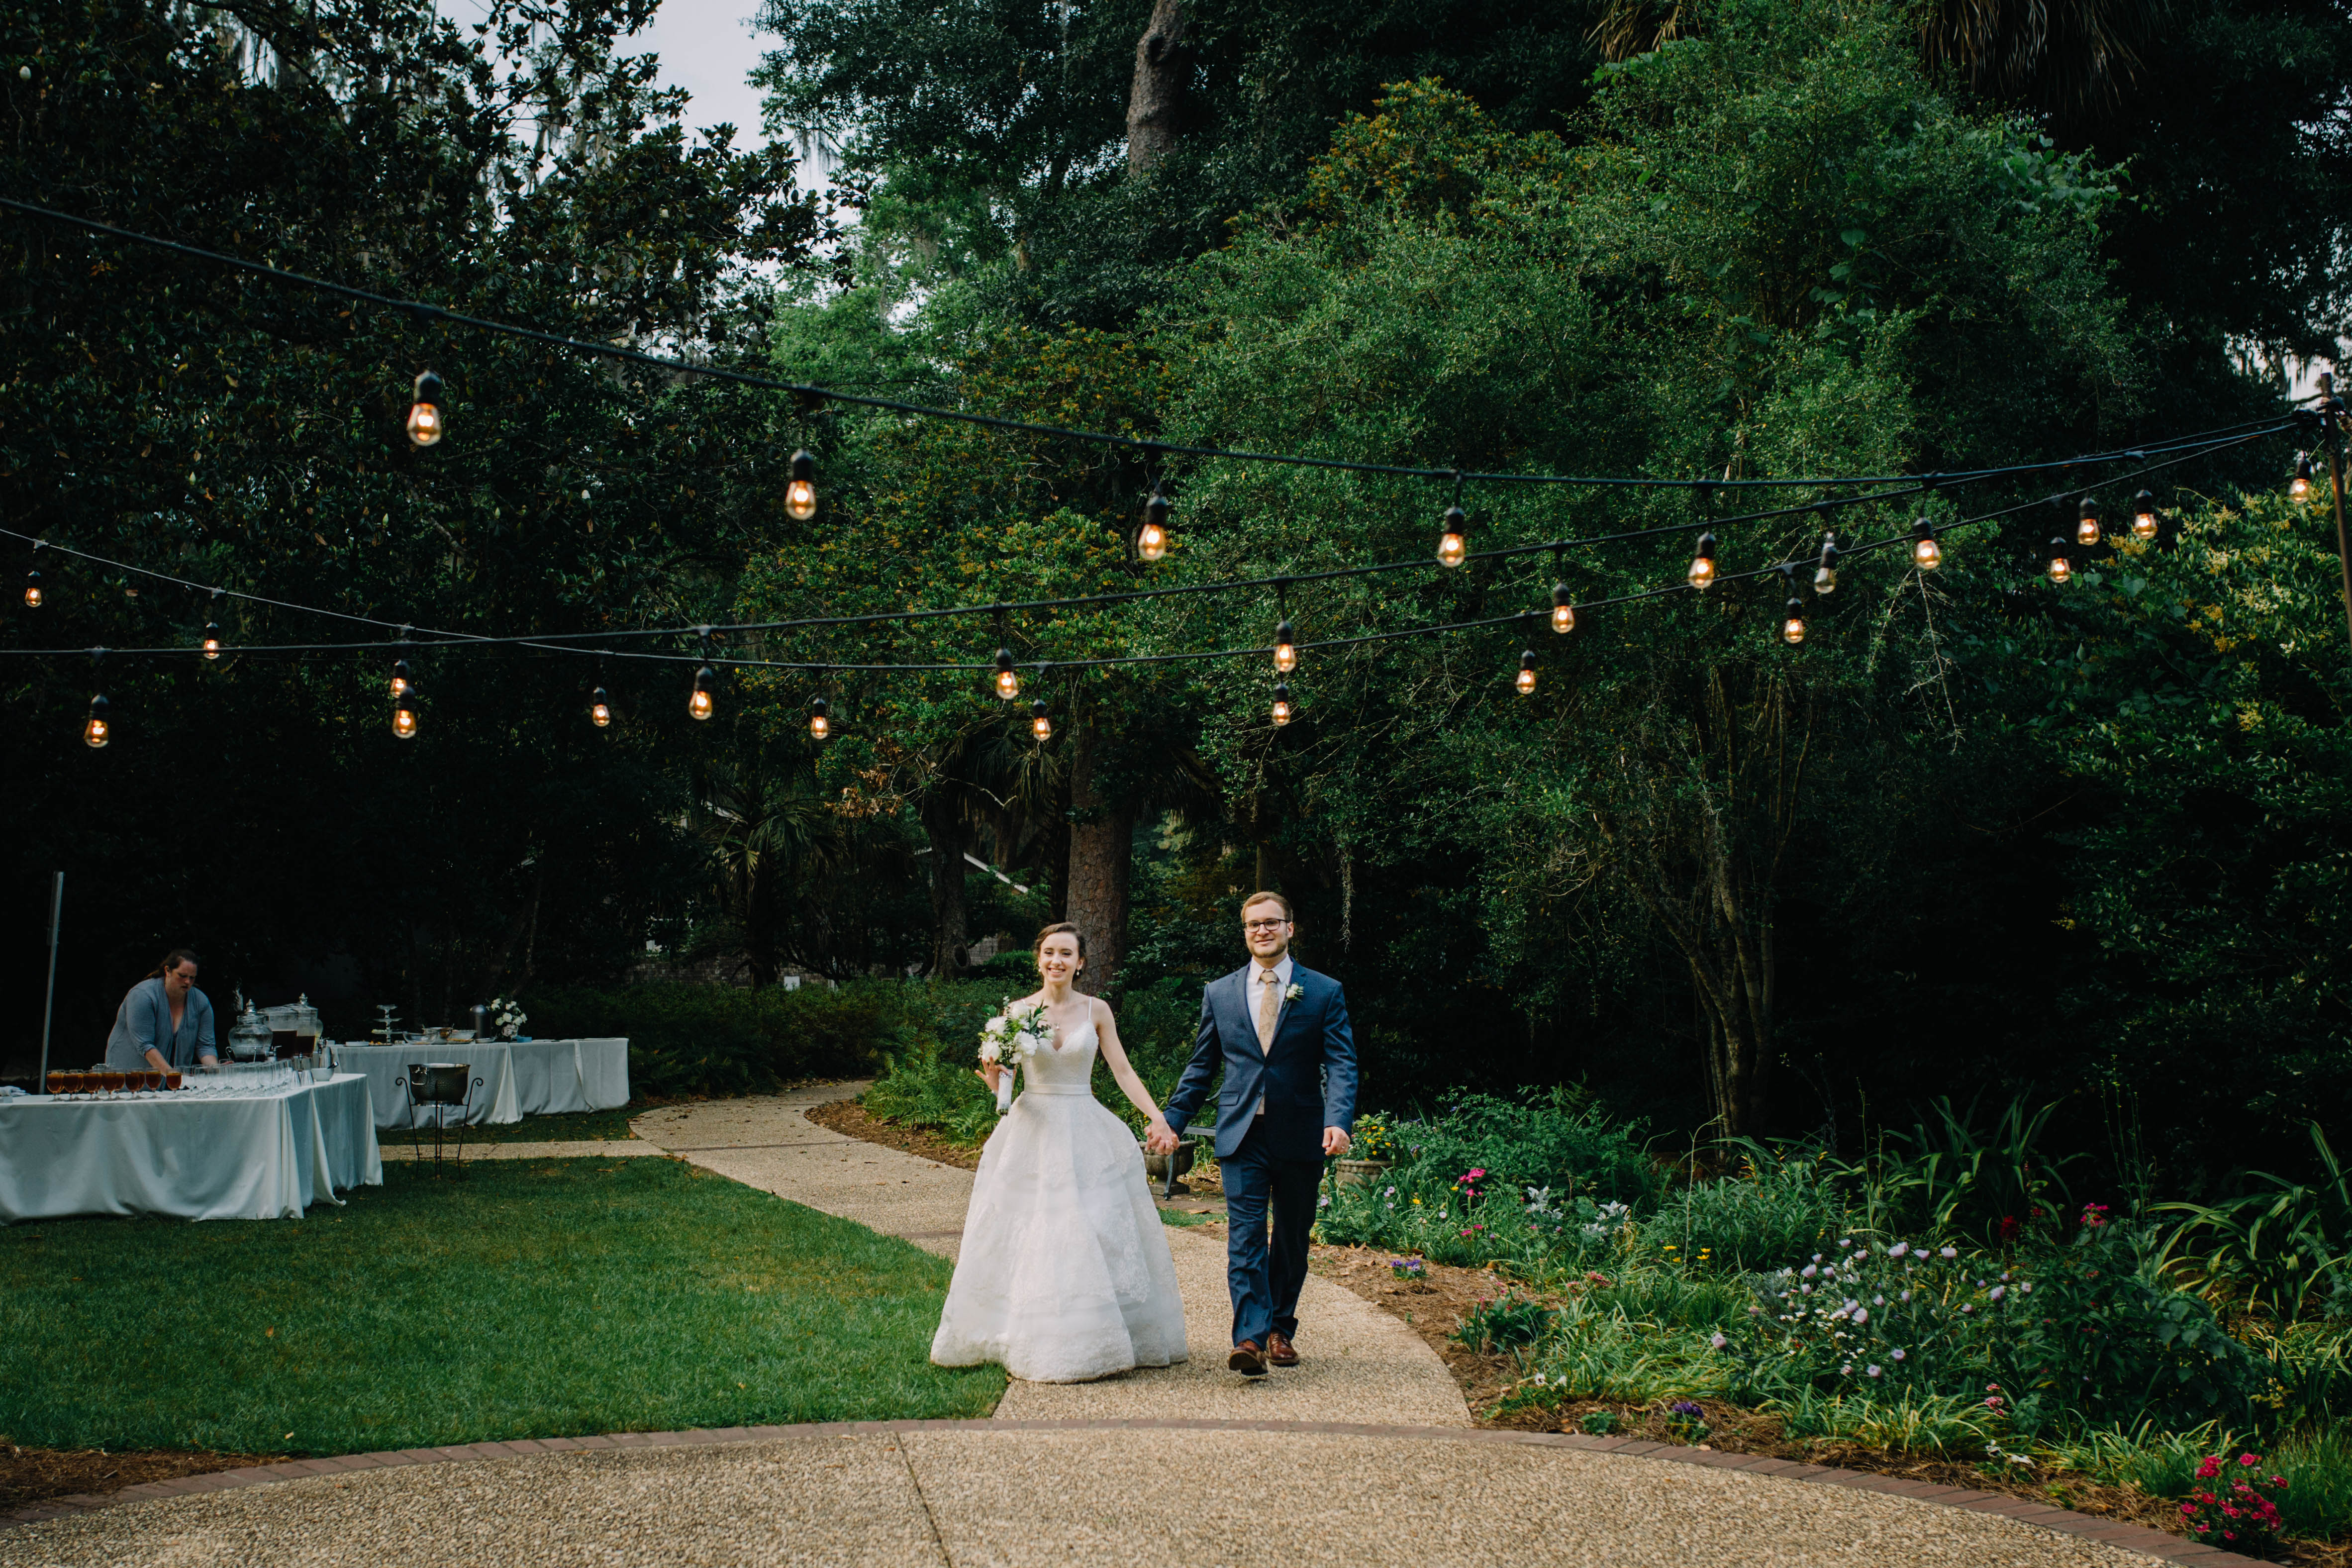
pixel 212 640
pixel 701 704
pixel 1281 702
pixel 1286 648
pixel 1526 681
pixel 34 595
pixel 95 730
pixel 1793 621
pixel 403 713
pixel 2144 515
pixel 425 414
pixel 1453 538
pixel 2062 566
pixel 800 495
pixel 1008 682
pixel 1563 609
pixel 1926 553
pixel 1152 538
pixel 1040 724
pixel 401 679
pixel 819 719
pixel 2300 489
pixel 1825 574
pixel 2087 524
pixel 1702 566
pixel 600 708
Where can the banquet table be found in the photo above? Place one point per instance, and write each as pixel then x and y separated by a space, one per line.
pixel 265 1155
pixel 520 1078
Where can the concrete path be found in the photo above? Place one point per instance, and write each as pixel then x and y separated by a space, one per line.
pixel 965 1494
pixel 1357 1363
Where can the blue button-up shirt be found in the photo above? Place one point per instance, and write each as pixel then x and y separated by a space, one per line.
pixel 143 1023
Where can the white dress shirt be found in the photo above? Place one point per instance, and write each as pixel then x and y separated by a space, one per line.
pixel 1256 984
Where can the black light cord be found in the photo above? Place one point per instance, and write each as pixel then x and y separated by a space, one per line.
pixel 1515 617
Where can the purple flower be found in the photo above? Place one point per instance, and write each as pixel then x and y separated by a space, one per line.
pixel 1687 1410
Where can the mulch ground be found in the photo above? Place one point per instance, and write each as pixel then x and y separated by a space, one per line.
pixel 28 1476
pixel 848 1118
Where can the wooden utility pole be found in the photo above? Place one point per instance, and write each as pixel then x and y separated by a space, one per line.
pixel 2331 409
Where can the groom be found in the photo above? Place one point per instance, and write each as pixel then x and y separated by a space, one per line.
pixel 1288 1100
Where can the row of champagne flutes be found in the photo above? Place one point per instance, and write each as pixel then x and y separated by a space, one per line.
pixel 226 1079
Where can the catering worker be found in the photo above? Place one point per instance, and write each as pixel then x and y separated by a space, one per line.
pixel 165 1022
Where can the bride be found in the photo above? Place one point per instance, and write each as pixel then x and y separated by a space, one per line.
pixel 1064 1272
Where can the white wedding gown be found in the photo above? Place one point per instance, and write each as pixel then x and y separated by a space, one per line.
pixel 1065 1273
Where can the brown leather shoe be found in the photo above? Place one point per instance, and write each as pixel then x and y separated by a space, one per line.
pixel 1247 1359
pixel 1278 1351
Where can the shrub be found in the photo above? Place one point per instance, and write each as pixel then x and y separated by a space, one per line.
pixel 1781 1206
pixel 2106 1341
pixel 1549 1138
pixel 1506 1323
pixel 709 1039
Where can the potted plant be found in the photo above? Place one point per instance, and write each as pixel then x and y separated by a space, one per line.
pixel 1372 1153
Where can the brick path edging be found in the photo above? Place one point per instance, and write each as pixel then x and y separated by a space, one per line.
pixel 2153 1543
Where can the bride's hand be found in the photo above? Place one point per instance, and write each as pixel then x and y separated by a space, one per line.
pixel 1158 1137
pixel 987 1074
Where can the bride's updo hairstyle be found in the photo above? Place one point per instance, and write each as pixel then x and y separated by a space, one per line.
pixel 1058 929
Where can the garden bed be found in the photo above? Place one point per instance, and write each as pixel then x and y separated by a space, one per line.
pixel 36 1475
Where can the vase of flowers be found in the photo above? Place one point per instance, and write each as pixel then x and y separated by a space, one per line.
pixel 507 1016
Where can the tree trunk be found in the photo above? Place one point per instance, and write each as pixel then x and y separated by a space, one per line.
pixel 943 825
pixel 1102 835
pixel 1155 102
pixel 1057 859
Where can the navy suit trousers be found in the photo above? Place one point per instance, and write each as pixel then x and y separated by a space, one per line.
pixel 1265 1279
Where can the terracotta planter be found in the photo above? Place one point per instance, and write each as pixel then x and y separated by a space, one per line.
pixel 1356 1172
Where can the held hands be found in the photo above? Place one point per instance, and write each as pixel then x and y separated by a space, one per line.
pixel 1158 1137
pixel 1335 1142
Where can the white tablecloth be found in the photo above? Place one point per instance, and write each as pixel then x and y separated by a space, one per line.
pixel 262 1156
pixel 557 1076
pixel 386 1068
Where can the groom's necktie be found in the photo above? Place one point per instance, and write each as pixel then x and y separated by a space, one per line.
pixel 1269 1004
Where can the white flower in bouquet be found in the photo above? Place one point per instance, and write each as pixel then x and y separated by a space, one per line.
pixel 1012 1038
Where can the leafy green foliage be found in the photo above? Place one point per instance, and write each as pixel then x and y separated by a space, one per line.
pixel 706 1039
pixel 2277 1250
pixel 1510 1321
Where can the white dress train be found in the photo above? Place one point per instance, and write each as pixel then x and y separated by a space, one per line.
pixel 1065 1273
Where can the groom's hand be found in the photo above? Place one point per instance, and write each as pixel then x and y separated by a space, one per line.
pixel 1159 1139
pixel 1335 1142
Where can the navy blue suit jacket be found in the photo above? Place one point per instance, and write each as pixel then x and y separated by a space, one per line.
pixel 1309 1077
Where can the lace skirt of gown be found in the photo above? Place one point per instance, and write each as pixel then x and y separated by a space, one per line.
pixel 1065 1273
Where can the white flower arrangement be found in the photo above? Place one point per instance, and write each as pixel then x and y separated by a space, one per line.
pixel 507 1015
pixel 1012 1038
pixel 1294 993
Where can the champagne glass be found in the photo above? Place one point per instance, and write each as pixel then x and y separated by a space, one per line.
pixel 110 1080
pixel 55 1082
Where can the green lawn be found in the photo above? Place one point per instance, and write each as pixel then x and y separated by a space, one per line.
pixel 526 1298
pixel 584 1126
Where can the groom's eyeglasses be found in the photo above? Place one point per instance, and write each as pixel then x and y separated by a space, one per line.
pixel 1263 925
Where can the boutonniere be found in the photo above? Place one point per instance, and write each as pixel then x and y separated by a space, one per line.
pixel 1295 993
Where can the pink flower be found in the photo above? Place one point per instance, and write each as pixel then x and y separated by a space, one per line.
pixel 2189 1508
pixel 2250 1460
pixel 2209 1469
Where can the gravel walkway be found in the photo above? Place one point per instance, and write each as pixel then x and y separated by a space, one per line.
pixel 1356 1362
pixel 962 1494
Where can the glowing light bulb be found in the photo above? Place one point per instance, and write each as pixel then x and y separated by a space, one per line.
pixel 2144 515
pixel 819 719
pixel 2061 567
pixel 1792 622
pixel 1526 680
pixel 1281 702
pixel 424 425
pixel 1563 610
pixel 1040 726
pixel 1702 566
pixel 1152 538
pixel 800 495
pixel 1286 648
pixel 34 596
pixel 1453 541
pixel 1926 553
pixel 1008 680
pixel 2087 524
pixel 404 716
pixel 701 704
pixel 212 640
pixel 401 681
pixel 600 708
pixel 95 730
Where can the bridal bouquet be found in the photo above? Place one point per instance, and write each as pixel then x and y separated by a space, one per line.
pixel 1012 1038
